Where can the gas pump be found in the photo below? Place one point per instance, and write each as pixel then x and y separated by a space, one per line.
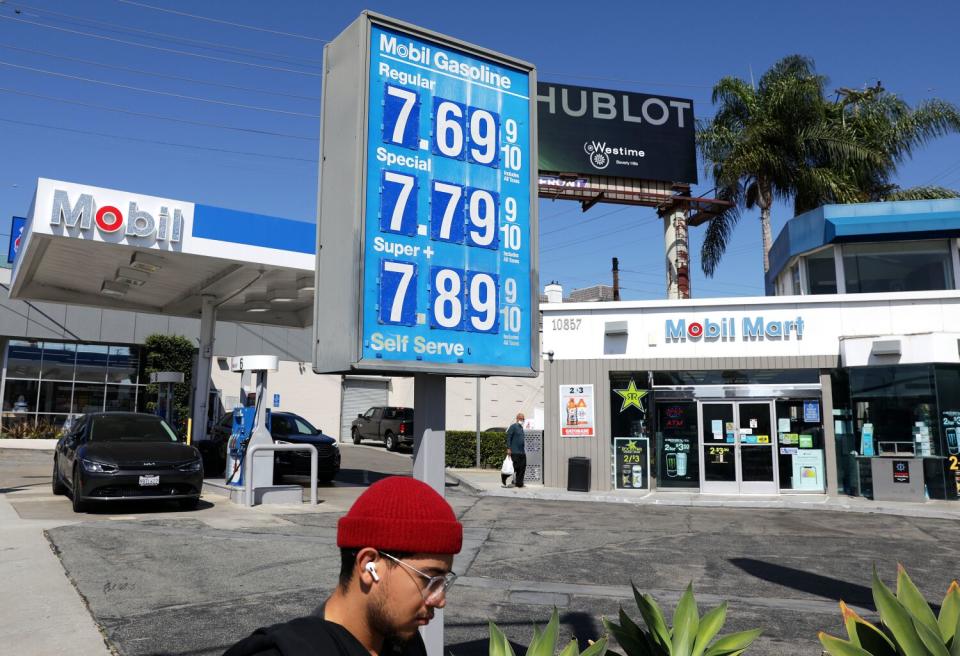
pixel 251 422
pixel 165 381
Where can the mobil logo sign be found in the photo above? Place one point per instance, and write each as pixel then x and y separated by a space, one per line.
pixel 122 218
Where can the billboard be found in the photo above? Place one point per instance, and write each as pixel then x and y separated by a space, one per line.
pixel 441 276
pixel 615 133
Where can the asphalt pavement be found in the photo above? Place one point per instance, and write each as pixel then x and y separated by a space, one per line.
pixel 162 581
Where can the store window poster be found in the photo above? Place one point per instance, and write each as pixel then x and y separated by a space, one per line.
pixel 577 411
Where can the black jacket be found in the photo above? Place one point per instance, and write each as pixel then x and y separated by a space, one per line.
pixel 314 636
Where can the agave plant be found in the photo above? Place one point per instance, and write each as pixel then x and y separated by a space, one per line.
pixel 908 626
pixel 544 642
pixel 691 635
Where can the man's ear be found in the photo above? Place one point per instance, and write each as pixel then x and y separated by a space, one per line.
pixel 365 557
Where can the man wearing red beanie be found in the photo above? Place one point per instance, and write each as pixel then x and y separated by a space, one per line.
pixel 397 544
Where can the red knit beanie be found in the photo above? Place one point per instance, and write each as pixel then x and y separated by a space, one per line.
pixel 401 514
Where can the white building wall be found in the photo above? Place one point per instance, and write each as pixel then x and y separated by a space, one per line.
pixel 313 396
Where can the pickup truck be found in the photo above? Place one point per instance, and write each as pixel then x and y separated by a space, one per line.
pixel 391 425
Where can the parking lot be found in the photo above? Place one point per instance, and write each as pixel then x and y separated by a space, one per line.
pixel 158 580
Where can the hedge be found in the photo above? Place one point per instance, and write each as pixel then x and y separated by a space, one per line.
pixel 462 449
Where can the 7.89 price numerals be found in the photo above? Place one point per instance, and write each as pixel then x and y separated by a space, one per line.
pixel 459 299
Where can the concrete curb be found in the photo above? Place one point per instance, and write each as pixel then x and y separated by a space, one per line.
pixel 36 445
pixel 818 502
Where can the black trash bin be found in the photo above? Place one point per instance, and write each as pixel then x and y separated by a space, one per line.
pixel 578 474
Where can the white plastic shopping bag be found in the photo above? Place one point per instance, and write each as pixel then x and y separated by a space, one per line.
pixel 507 469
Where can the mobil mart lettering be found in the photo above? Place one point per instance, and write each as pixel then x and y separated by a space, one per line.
pixel 725 329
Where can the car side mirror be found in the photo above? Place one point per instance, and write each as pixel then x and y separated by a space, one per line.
pixel 360 416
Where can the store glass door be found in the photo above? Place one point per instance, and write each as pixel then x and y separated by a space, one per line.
pixel 737 448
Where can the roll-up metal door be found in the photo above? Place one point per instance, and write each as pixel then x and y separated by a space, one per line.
pixel 359 394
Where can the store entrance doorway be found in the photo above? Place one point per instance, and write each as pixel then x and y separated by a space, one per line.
pixel 737 447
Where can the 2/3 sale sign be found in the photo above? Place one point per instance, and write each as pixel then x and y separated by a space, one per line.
pixel 427 206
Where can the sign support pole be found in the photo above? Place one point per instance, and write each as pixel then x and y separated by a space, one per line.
pixel 429 450
pixel 201 397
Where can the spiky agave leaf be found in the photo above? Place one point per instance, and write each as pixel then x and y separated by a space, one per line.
pixel 864 634
pixel 837 647
pixel 710 625
pixel 912 599
pixel 545 643
pixel 897 618
pixel 950 613
pixel 686 622
pixel 499 645
pixel 653 617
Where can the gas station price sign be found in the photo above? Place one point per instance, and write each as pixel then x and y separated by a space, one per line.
pixel 446 215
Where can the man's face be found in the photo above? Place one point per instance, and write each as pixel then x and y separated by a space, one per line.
pixel 398 608
pixel 520 419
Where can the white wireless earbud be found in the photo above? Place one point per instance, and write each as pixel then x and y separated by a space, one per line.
pixel 370 567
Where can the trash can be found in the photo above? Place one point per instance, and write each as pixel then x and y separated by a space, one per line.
pixel 578 475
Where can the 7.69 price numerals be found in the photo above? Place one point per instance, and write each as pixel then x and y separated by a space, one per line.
pixel 459 131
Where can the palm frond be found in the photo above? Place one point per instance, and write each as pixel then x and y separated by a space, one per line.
pixel 918 193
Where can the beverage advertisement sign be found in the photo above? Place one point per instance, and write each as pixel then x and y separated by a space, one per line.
pixel 631 458
pixel 577 416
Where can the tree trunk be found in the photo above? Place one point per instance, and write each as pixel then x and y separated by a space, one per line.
pixel 765 201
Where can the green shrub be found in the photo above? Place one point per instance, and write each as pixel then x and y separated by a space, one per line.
pixel 907 624
pixel 462 449
pixel 543 643
pixel 690 635
pixel 171 353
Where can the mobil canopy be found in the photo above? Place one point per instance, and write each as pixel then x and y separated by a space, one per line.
pixel 729 329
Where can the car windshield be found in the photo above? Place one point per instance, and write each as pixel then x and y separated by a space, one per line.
pixel 304 427
pixel 130 428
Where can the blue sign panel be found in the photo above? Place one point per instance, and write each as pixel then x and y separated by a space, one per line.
pixel 447 228
pixel 16 235
pixel 811 412
pixel 276 400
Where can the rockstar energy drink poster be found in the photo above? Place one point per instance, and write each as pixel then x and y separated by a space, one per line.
pixel 577 416
pixel 631 458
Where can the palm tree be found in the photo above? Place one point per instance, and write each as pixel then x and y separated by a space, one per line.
pixel 884 122
pixel 784 139
pixel 775 141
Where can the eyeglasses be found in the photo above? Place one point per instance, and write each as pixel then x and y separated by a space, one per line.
pixel 436 587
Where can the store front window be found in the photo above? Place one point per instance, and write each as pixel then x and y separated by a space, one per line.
pixel 676 434
pixel 909 412
pixel 634 461
pixel 48 381
pixel 800 444
pixel 897 267
pixel 821 272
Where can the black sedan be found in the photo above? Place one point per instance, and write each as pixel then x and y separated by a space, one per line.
pixel 110 456
pixel 284 427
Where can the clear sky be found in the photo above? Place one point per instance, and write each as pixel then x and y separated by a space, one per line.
pixel 246 101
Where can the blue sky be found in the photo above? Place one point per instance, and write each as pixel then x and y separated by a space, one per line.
pixel 261 157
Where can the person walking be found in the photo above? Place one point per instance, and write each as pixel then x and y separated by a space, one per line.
pixel 397 544
pixel 517 450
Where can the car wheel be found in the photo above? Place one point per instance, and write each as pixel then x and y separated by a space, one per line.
pixel 390 441
pixel 78 505
pixel 56 482
pixel 189 504
pixel 355 434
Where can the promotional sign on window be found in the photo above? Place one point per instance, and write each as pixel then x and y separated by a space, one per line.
pixel 631 457
pixel 445 218
pixel 577 414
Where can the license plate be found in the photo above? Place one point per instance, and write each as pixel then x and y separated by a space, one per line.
pixel 146 481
